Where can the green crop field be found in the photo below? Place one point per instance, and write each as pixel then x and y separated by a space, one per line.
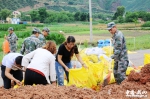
pixel 136 39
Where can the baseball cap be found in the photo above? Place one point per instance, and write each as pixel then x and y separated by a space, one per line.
pixel 10 29
pixel 110 25
pixel 36 30
pixel 46 29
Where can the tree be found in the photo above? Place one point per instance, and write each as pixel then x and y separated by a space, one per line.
pixel 24 17
pixel 4 13
pixel 77 16
pixel 120 19
pixel 135 21
pixel 130 16
pixel 34 15
pixel 120 11
pixel 83 17
pixel 146 17
pixel 88 17
pixel 42 14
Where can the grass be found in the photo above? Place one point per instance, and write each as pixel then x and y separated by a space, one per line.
pixel 141 41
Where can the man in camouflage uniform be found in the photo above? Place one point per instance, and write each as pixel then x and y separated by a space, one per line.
pixel 45 32
pixel 12 39
pixel 120 55
pixel 31 43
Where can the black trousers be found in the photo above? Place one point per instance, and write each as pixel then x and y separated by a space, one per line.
pixel 18 74
pixel 32 77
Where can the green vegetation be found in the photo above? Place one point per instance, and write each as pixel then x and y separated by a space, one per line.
pixel 136 5
pixel 147 24
pixel 141 40
pixel 58 38
pixel 77 5
pixel 15 4
pixel 85 43
pixel 140 43
pixel 4 27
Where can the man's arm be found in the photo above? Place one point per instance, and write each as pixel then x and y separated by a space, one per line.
pixel 8 75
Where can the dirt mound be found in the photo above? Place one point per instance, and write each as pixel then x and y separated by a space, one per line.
pixel 137 83
pixel 48 92
pixel 141 77
pixel 129 88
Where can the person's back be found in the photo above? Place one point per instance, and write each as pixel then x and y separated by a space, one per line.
pixel 42 58
pixel 9 69
pixel 42 65
pixel 30 44
pixel 9 59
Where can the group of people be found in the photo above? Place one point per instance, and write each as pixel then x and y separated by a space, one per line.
pixel 43 64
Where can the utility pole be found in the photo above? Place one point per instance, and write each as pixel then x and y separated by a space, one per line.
pixel 90 14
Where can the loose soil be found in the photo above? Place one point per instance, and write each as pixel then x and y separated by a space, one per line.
pixel 138 83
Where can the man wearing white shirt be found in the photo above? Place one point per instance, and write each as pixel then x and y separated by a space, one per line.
pixel 10 64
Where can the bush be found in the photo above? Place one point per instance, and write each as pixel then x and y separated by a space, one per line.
pixel 145 28
pixel 147 24
pixel 85 43
pixel 20 34
pixel 102 21
pixel 58 38
pixel 35 25
pixel 4 27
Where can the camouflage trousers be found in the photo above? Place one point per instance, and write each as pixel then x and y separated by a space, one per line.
pixel 13 48
pixel 119 70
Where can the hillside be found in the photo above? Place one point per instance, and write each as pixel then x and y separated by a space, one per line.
pixel 75 5
pixel 15 4
pixel 134 5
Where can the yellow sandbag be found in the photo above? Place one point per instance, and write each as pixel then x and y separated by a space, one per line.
pixel 146 58
pixel 95 74
pixel 93 58
pixel 112 79
pixel 97 69
pixel 129 69
pixel 81 77
pixel 92 83
pixel 108 50
pixel 129 52
pixel 108 78
pixel 17 86
pixel 140 67
pixel 108 65
pixel 78 77
pixel 85 58
pixel 34 85
pixel 65 82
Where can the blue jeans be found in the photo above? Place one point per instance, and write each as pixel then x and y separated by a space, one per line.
pixel 60 72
